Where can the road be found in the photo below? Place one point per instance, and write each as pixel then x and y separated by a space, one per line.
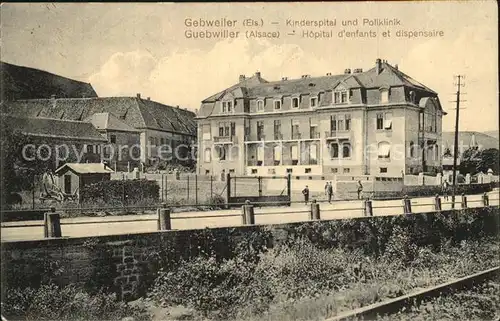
pixel 111 225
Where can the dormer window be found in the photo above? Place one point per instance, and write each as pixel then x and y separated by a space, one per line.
pixel 277 104
pixel 260 105
pixel 314 101
pixel 384 95
pixel 227 106
pixel 340 96
pixel 295 102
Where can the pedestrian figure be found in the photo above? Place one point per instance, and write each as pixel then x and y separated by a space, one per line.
pixel 326 189
pixel 360 189
pixel 305 192
pixel 445 190
pixel 329 192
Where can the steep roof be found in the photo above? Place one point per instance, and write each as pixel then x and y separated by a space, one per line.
pixel 85 168
pixel 134 111
pixel 28 83
pixel 107 121
pixel 389 76
pixel 53 128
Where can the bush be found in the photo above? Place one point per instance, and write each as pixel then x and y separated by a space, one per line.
pixel 122 192
pixel 49 302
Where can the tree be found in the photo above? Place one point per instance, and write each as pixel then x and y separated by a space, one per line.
pixel 474 161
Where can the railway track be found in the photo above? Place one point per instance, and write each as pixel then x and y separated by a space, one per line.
pixel 371 312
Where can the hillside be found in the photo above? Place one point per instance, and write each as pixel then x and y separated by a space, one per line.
pixel 464 139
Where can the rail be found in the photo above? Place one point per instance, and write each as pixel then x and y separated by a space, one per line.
pixel 397 304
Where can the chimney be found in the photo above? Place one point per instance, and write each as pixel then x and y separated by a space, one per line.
pixel 379 66
pixel 149 98
pixel 257 74
pixel 358 70
pixel 52 96
pixel 139 95
pixel 242 78
pixel 284 78
pixel 347 71
pixel 396 66
pixel 328 73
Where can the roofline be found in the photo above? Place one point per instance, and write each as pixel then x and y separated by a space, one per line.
pixel 167 131
pixel 79 138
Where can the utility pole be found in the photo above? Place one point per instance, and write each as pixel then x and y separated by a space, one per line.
pixel 455 147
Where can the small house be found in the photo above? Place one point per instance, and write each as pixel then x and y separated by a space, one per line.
pixel 73 176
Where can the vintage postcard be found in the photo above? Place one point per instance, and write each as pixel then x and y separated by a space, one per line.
pixel 250 161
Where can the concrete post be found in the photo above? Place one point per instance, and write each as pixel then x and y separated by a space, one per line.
pixel 46 222
pixel 247 214
pixel 53 225
pixel 464 201
pixel 467 178
pixel 437 203
pixel 407 205
pixel 164 222
pixel 368 208
pixel 486 200
pixel 315 211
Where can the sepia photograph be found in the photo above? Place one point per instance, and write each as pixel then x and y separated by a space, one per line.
pixel 257 161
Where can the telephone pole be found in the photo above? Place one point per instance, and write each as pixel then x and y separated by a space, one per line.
pixel 455 147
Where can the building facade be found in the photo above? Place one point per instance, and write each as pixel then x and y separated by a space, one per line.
pixel 377 122
pixel 162 129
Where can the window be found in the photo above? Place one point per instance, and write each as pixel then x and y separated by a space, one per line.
pixel 208 155
pixel 254 171
pixel 294 151
pixel 277 104
pixel 384 150
pixel 412 149
pixel 388 121
pixel 90 149
pixel 260 105
pixel 334 150
pixel 271 171
pixel 112 139
pixel 260 130
pixel 227 107
pixel 314 101
pixel 340 123
pixel 340 96
pixel 334 170
pixel 233 128
pixel 295 102
pixel 260 153
pixel 162 141
pixel 347 122
pixel 346 150
pixel 295 130
pixel 384 96
pixel 277 130
pixel 207 172
pixel 231 171
pixel 380 121
pixel 307 170
pixel 347 170
pixel 277 155
pixel 313 153
pixel 289 170
pixel 333 123
pixel 221 152
pixel 314 131
pixel 343 96
pixel 383 170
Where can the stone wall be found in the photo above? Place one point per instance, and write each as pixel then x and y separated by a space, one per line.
pixel 127 264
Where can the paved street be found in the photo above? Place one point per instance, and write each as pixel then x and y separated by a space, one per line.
pixel 110 225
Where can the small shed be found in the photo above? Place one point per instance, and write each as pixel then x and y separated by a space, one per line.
pixel 73 176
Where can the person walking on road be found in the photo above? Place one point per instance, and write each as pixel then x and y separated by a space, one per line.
pixel 305 192
pixel 445 190
pixel 329 192
pixel 360 189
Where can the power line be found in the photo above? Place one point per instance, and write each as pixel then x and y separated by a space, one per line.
pixel 459 84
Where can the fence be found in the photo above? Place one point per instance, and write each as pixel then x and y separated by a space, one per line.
pixel 257 189
pixel 53 226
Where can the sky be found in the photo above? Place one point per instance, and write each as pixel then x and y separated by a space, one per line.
pixel 123 49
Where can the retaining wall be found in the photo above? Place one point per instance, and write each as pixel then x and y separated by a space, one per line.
pixel 127 264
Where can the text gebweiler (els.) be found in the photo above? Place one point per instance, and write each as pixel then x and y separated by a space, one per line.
pixel 200 28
